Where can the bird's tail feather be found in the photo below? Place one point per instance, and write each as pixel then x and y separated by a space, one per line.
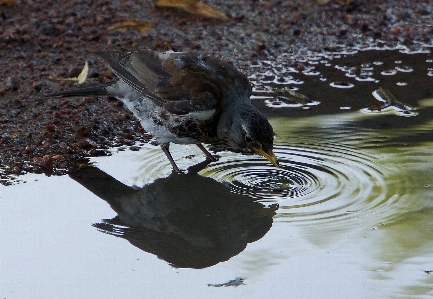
pixel 91 90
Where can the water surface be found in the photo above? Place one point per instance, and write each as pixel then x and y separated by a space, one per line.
pixel 347 215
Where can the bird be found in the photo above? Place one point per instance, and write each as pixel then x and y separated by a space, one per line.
pixel 185 98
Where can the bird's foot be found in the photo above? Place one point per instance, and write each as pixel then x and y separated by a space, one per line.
pixel 212 158
pixel 209 156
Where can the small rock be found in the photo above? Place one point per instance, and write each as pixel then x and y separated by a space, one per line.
pixel 395 30
pixel 38 86
pixel 50 128
pixel 94 74
pixel 129 136
pixel 26 38
pixel 45 162
pixel 49 30
pixel 425 12
pixel 86 143
pixel 12 83
pixel 57 157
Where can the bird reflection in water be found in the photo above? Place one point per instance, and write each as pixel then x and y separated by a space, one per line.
pixel 188 220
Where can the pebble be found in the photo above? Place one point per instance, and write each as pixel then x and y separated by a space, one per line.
pixel 12 83
pixel 395 31
pixel 38 85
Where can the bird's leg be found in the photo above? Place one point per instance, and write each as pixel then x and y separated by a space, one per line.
pixel 205 151
pixel 165 149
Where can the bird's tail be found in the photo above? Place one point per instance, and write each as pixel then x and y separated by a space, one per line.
pixel 91 90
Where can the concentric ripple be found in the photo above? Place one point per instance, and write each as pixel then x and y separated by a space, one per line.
pixel 313 181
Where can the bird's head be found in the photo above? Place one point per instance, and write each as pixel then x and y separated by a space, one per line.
pixel 249 132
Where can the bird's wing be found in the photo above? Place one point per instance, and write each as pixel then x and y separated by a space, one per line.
pixel 181 82
pixel 207 81
pixel 141 72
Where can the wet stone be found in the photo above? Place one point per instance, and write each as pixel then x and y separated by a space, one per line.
pixel 12 83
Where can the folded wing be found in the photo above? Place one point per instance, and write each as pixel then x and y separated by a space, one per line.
pixel 180 82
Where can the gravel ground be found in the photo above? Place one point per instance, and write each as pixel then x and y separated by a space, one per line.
pixel 39 39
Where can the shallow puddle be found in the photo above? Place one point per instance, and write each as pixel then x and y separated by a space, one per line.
pixel 347 215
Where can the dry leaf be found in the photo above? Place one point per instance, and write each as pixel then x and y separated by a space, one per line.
pixel 193 6
pixel 83 75
pixel 81 78
pixel 206 10
pixel 176 3
pixel 142 27
pixel 8 2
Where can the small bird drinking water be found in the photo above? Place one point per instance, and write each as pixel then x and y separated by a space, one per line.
pixel 185 98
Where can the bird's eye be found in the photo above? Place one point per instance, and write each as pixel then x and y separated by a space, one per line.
pixel 248 139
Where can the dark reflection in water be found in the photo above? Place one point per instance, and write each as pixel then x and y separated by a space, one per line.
pixel 186 219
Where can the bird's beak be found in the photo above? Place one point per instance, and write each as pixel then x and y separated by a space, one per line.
pixel 268 155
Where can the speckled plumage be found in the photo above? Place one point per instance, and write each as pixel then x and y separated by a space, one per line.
pixel 186 98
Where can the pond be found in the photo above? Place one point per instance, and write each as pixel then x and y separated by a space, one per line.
pixel 349 213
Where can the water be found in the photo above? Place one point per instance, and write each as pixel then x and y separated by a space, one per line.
pixel 347 215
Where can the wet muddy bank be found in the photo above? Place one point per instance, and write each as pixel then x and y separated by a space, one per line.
pixel 39 40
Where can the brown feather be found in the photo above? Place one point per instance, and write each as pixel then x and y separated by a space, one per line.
pixel 165 78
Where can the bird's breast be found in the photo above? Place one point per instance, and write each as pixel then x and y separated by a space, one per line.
pixel 200 128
